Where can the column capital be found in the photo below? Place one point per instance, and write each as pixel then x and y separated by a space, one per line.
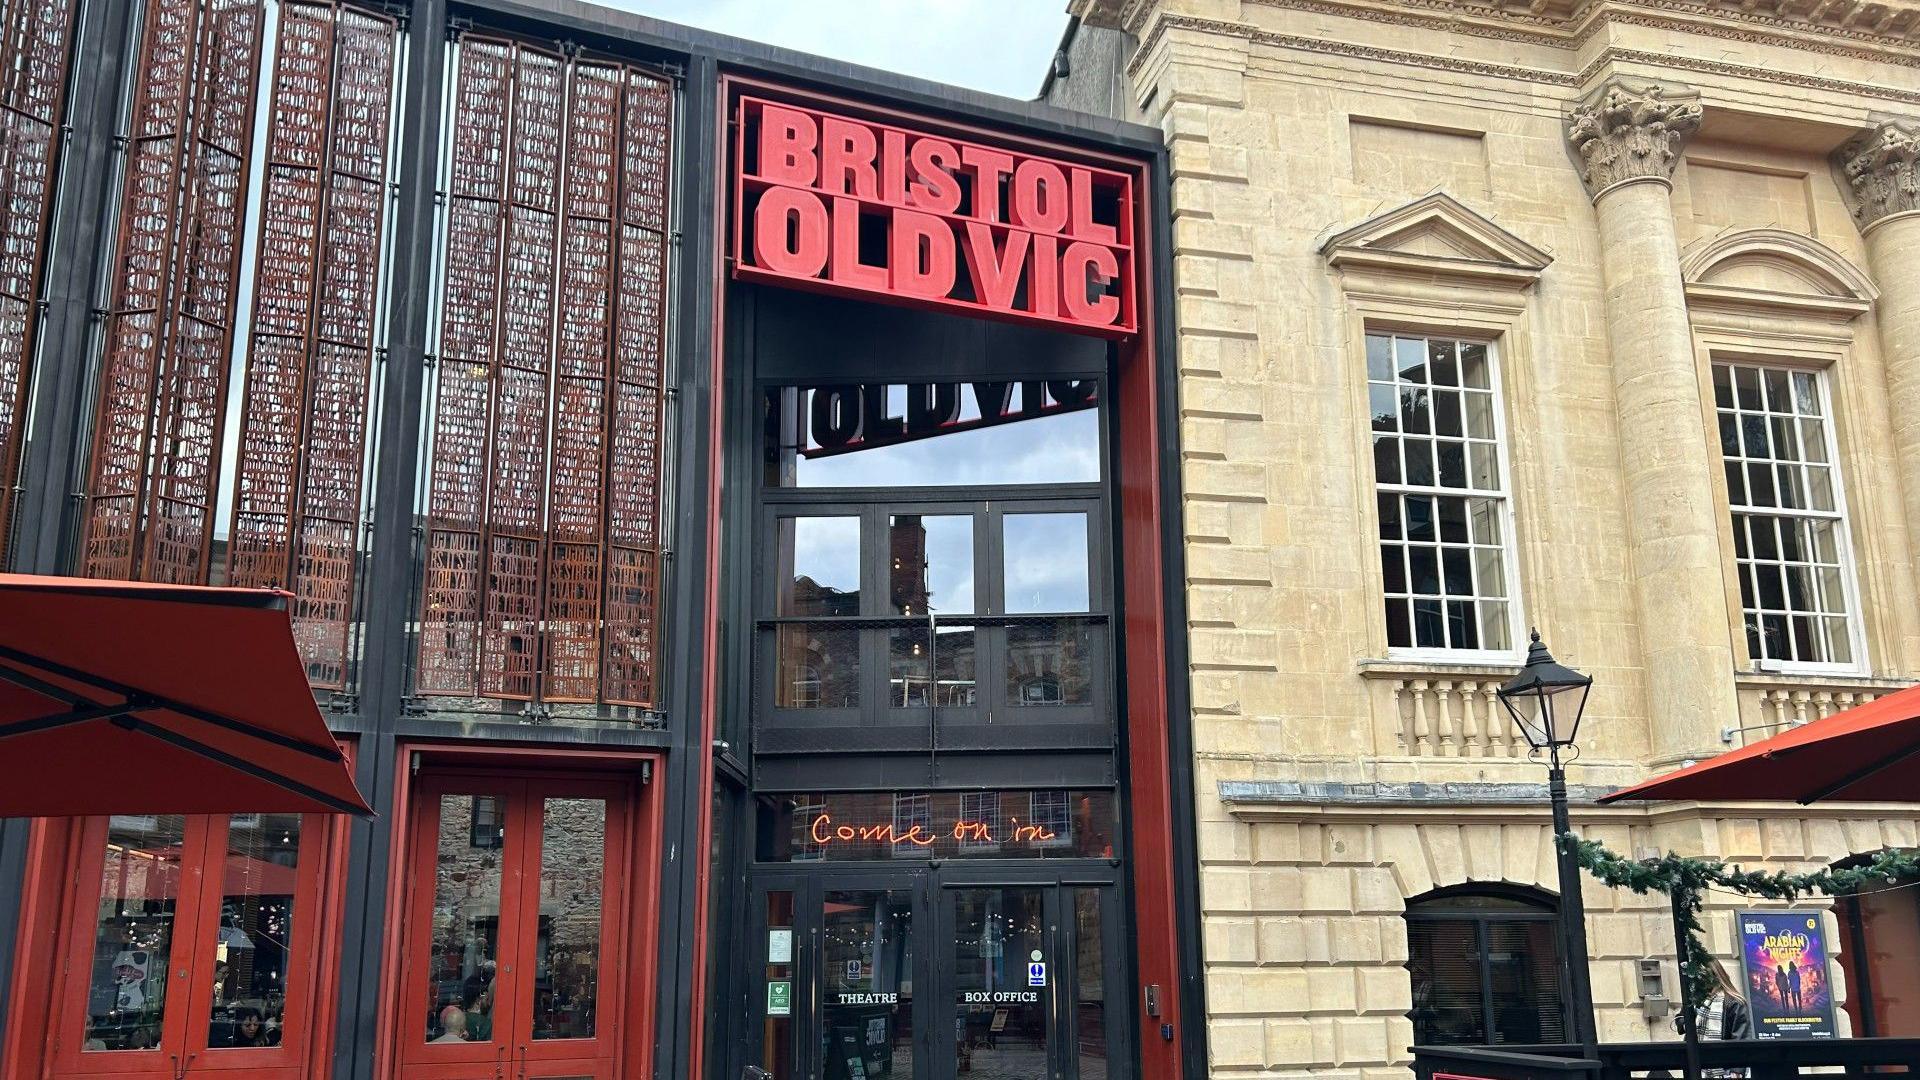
pixel 1880 170
pixel 1631 129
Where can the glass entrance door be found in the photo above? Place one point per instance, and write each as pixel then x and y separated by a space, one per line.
pixel 923 975
pixel 513 928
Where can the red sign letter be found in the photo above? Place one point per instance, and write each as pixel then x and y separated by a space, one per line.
pixel 790 232
pixel 787 139
pixel 921 255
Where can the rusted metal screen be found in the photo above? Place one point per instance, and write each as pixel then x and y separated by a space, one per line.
pixel 34 46
pixel 310 354
pixel 542 542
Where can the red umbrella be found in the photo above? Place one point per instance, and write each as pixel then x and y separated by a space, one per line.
pixel 1864 754
pixel 127 698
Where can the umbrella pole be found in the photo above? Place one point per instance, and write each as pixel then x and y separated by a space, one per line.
pixel 1689 1029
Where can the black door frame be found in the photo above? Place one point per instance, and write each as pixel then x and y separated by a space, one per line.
pixel 933 885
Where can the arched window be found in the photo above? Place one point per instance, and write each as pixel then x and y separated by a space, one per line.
pixel 1485 961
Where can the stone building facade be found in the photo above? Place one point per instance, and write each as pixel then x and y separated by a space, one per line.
pixel 1654 221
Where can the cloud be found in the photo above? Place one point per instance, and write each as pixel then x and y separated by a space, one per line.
pixel 999 46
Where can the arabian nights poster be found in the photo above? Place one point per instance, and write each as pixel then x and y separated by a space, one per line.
pixel 1784 954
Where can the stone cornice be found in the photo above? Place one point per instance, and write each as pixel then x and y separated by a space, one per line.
pixel 1588 18
pixel 1672 61
pixel 1879 171
pixel 1631 130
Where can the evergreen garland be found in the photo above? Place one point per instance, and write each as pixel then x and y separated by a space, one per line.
pixel 1686 880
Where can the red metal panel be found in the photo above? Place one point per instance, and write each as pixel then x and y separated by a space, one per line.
pixel 516 497
pixel 577 511
pixel 545 456
pixel 143 271
pixel 633 485
pixel 449 639
pixel 34 52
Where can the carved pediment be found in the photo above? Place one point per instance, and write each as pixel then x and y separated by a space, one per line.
pixel 1438 236
pixel 1774 270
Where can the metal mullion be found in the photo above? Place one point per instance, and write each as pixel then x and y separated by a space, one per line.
pixel 503 202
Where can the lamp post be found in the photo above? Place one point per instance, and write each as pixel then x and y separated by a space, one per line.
pixel 1546 701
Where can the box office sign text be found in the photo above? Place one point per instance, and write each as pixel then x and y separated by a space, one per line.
pixel 843 204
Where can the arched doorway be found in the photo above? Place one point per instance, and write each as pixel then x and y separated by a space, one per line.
pixel 1881 929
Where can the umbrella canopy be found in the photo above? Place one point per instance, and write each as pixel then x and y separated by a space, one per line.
pixel 1867 754
pixel 128 698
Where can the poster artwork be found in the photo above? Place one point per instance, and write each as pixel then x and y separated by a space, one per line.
pixel 1784 955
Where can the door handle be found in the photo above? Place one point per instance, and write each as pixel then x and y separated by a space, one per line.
pixel 499 1064
pixel 523 1062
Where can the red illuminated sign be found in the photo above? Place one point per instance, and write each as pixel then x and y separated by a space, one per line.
pixel 824 831
pixel 843 204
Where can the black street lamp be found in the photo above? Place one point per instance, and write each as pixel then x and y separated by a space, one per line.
pixel 1546 701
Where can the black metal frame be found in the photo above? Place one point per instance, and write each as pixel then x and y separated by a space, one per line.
pixel 932 884
pixel 1545 909
pixel 379 716
pixel 1759 1059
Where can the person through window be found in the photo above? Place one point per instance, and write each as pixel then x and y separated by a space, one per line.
pixel 1724 1015
pixel 249 1029
pixel 453 1025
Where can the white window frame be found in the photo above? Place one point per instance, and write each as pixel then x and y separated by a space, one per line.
pixel 910 810
pixel 1063 836
pixel 1509 547
pixel 1841 515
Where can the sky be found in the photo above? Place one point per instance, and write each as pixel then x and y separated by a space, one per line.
pixel 999 46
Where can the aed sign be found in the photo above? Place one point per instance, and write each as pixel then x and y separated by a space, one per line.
pixel 838 203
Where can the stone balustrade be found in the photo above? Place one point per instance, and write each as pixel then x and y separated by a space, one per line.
pixel 1771 703
pixel 1442 711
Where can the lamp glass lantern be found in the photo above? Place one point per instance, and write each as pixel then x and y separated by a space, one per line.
pixel 1546 700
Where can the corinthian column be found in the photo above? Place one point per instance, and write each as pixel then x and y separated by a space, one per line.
pixel 1879 174
pixel 1628 137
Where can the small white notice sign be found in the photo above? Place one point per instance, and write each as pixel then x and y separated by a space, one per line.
pixel 780 945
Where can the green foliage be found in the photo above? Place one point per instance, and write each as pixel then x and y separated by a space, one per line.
pixel 1687 879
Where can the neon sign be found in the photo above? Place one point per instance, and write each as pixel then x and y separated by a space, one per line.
pixel 836 203
pixel 825 832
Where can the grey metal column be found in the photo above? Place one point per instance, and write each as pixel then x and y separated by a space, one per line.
pixel 79 245
pixel 390 562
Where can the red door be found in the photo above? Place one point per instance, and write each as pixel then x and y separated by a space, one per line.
pixel 192 947
pixel 513 919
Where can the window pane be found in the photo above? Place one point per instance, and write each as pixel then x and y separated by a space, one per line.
pixel 1389 507
pixel 253 949
pixel 1045 559
pixel 1414 410
pixel 1442 365
pixel 1386 459
pixel 1444 960
pixel 930 564
pixel 1410 357
pixel 1393 568
pixel 566 976
pixel 1090 986
pixel 1446 413
pixel 1495 629
pixel 816 667
pixel 819 561
pixel 995 932
pixel 1474 370
pixel 1489 571
pixel 1425 569
pixel 930 667
pixel 465 938
pixel 1453 464
pixel 1383 403
pixel 1048 663
pixel 1458 565
pixel 140 880
pixel 1453 519
pixel 1420 517
pixel 1399 636
pixel 1523 970
pixel 1419 462
pixel 933 434
pixel 1379 356
pixel 1429 630
pixel 1480 415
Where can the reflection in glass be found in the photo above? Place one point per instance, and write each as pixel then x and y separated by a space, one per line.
pixel 566 978
pixel 464 946
pixel 933 434
pixel 866 998
pixel 817 667
pixel 819 565
pixel 1047 663
pixel 930 564
pixel 251 953
pixel 1045 562
pixel 930 667
pixel 1089 986
pixel 140 881
pixel 999 1017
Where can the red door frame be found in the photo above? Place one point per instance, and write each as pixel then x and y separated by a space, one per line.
pixel 640 948
pixel 52 980
pixel 1150 790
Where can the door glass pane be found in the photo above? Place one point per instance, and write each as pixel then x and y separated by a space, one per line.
pixel 866 1007
pixel 253 949
pixel 1089 986
pixel 1046 562
pixel 818 565
pixel 464 947
pixel 1001 972
pixel 930 564
pixel 140 879
pixel 1444 960
pixel 776 1038
pixel 566 978
pixel 1523 970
